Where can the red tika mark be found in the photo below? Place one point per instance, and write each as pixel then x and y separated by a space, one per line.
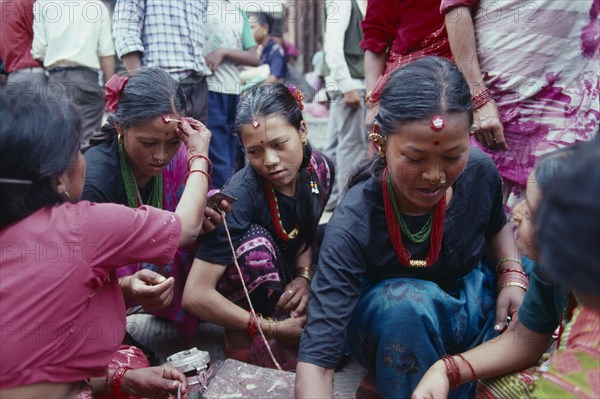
pixel 437 142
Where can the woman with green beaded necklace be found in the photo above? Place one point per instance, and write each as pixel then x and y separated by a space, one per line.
pixel 139 160
pixel 401 279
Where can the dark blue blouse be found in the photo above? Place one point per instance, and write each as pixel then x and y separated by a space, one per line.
pixel 357 244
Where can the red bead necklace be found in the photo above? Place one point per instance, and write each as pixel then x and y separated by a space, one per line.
pixel 276 216
pixel 395 233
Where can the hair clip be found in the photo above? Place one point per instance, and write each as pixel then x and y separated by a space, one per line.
pixel 298 95
pixel 437 123
pixel 167 118
pixel 255 124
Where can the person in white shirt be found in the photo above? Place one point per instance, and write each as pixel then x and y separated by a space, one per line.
pixel 74 41
pixel 345 84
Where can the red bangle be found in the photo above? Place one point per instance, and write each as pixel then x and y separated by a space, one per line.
pixel 252 327
pixel 117 377
pixel 199 171
pixel 452 371
pixel 514 271
pixel 196 156
pixel 482 98
pixel 470 366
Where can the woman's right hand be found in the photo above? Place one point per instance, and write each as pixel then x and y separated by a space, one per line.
pixel 434 383
pixel 154 382
pixel 194 135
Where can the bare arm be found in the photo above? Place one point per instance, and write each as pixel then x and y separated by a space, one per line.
pixel 503 246
pixel 516 349
pixel 107 64
pixel 241 57
pixel 374 67
pixel 201 298
pixel 461 36
pixel 190 208
pixel 132 61
pixel 313 381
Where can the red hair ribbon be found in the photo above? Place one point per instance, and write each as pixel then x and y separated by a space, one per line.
pixel 112 91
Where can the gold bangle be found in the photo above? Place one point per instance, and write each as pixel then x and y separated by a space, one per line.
pixel 368 96
pixel 504 260
pixel 513 284
pixel 304 272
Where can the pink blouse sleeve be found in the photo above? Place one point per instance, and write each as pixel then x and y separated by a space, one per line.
pixel 380 25
pixel 448 5
pixel 115 235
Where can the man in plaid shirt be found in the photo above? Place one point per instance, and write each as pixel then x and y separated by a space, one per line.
pixel 168 34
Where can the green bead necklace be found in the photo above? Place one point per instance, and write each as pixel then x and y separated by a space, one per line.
pixel 419 236
pixel 134 199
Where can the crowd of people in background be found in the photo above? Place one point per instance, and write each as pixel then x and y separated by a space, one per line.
pixel 461 169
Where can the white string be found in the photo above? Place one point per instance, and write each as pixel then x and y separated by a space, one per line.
pixel 247 294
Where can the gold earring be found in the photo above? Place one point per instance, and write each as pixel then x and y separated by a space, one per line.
pixel 304 142
pixel 66 194
pixel 379 142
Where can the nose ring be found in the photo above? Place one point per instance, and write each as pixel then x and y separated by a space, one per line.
pixel 160 161
pixel 443 178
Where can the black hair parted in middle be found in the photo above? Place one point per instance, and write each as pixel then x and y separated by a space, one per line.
pixel 274 99
pixel 417 91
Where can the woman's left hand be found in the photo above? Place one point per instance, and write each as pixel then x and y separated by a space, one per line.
pixel 294 298
pixel 212 217
pixel 508 303
pixel 488 127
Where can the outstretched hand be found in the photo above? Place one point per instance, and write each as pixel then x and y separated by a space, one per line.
pixel 508 303
pixel 295 297
pixel 154 382
pixel 488 129
pixel 151 290
pixel 434 383
pixel 194 135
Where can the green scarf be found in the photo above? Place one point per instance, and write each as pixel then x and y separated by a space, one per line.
pixel 134 199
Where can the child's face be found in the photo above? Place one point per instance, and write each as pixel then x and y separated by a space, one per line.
pixel 274 149
pixel 524 215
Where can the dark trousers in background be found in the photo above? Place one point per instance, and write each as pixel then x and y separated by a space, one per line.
pixel 224 144
pixel 195 89
pixel 81 86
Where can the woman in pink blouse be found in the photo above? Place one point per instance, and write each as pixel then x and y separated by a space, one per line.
pixel 63 313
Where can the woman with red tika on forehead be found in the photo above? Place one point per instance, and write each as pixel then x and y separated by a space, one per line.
pixel 401 279
pixel 137 159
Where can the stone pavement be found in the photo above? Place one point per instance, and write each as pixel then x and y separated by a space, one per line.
pixel 163 339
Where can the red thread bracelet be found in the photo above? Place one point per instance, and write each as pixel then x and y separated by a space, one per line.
pixel 196 156
pixel 199 171
pixel 117 378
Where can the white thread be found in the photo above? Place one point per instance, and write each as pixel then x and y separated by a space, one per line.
pixel 247 293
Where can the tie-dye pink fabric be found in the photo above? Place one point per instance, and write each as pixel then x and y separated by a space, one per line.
pixel 540 60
